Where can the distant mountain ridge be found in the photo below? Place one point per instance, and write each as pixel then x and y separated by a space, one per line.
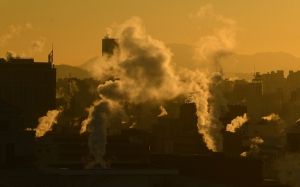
pixel 262 62
pixel 64 71
pixel 183 57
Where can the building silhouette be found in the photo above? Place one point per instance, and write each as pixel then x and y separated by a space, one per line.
pixel 16 146
pixel 108 46
pixel 29 85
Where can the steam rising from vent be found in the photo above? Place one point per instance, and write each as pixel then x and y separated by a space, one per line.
pixel 163 111
pixel 133 125
pixel 279 125
pixel 12 31
pixel 97 123
pixel 38 45
pixel 254 149
pixel 11 54
pixel 143 67
pixel 208 52
pixel 272 117
pixel 144 73
pixel 46 122
pixel 236 123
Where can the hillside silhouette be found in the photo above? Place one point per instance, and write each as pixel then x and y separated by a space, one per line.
pixel 234 65
pixel 64 71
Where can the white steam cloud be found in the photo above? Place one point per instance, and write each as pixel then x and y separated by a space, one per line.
pixel 142 66
pixel 208 52
pixel 163 111
pixel 38 45
pixel 254 149
pixel 236 123
pixel 97 122
pixel 11 54
pixel 46 122
pixel 12 31
pixel 272 117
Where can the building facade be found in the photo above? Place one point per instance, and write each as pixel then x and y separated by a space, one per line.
pixel 29 85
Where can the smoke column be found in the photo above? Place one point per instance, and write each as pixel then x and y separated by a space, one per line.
pixel 11 54
pixel 143 67
pixel 96 124
pixel 46 122
pixel 280 126
pixel 236 123
pixel 208 52
pixel 145 73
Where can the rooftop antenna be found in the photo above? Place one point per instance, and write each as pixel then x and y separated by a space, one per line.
pixel 50 56
pixel 254 71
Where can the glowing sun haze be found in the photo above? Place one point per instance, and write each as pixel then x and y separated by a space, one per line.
pixel 77 27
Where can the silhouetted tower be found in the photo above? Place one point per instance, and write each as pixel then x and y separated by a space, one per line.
pixel 29 85
pixel 109 45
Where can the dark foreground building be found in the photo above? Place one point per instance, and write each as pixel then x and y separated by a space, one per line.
pixel 29 85
pixel 213 167
pixel 108 46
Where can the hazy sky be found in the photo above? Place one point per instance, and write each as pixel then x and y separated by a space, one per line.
pixel 76 27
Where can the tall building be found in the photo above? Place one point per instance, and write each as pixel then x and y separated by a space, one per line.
pixel 29 85
pixel 255 99
pixel 108 46
pixel 273 82
pixel 16 146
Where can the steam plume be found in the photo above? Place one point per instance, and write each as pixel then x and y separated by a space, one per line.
pixel 208 51
pixel 38 45
pixel 97 123
pixel 133 125
pixel 46 122
pixel 272 117
pixel 11 54
pixel 12 31
pixel 163 111
pixel 279 124
pixel 254 149
pixel 143 66
pixel 236 123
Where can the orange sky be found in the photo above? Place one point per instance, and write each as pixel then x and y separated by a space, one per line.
pixel 77 27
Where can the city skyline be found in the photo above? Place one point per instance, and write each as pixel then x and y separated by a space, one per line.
pixel 172 93
pixel 77 28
